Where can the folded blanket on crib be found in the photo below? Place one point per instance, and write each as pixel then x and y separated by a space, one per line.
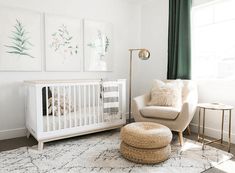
pixel 110 98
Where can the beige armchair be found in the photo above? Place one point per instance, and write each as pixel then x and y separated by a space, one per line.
pixel 176 119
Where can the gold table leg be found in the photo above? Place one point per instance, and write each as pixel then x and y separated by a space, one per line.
pixel 222 127
pixel 229 132
pixel 201 136
pixel 203 130
pixel 199 121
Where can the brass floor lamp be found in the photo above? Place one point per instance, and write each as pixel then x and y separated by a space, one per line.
pixel 143 54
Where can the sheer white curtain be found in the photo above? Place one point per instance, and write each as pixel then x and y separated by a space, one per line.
pixel 213 39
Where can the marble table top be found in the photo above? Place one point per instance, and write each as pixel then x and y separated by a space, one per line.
pixel 215 106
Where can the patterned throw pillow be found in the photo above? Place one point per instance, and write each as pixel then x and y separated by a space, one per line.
pixel 166 93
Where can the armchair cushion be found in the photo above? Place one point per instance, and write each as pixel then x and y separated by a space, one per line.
pixel 160 112
pixel 166 93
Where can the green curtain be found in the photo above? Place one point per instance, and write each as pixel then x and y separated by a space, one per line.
pixel 179 40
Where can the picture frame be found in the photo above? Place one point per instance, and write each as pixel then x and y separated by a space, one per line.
pixel 98 46
pixel 21 40
pixel 63 43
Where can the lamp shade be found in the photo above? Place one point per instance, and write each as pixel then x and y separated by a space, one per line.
pixel 144 54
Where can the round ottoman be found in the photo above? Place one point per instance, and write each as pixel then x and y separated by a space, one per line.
pixel 145 142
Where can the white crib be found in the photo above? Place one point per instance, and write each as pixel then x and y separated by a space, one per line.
pixel 61 109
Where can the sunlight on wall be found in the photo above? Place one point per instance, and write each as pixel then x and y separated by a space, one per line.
pixel 213 41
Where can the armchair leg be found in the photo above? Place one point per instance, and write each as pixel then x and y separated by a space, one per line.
pixel 181 139
pixel 188 130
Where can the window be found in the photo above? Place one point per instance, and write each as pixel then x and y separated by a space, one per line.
pixel 213 40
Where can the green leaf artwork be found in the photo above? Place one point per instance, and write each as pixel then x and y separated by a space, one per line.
pixel 62 42
pixel 20 44
pixel 101 44
pixel 106 44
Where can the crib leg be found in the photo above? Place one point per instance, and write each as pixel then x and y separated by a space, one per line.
pixel 27 134
pixel 40 145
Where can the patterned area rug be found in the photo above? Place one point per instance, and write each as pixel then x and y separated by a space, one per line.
pixel 99 153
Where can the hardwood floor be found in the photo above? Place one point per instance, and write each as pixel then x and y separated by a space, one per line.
pixel 24 141
pixel 10 144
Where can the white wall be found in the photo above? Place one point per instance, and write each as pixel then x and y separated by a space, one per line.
pixel 154 37
pixel 125 17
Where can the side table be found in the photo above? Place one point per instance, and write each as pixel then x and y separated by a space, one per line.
pixel 214 106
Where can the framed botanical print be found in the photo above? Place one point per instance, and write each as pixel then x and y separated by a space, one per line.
pixel 21 44
pixel 98 46
pixel 63 43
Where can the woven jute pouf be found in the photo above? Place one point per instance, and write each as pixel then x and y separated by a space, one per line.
pixel 145 142
pixel 146 135
pixel 145 156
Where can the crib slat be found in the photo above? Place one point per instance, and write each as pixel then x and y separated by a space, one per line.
pixel 75 105
pixel 84 105
pixel 47 109
pixel 53 107
pixel 80 106
pixel 89 104
pixel 59 113
pixel 93 101
pixel 120 101
pixel 102 106
pixel 98 104
pixel 65 118
pixel 70 119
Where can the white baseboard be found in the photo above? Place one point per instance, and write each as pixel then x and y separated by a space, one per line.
pixel 214 133
pixel 12 133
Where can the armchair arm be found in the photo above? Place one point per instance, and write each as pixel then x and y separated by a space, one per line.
pixel 138 103
pixel 141 101
pixel 188 109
